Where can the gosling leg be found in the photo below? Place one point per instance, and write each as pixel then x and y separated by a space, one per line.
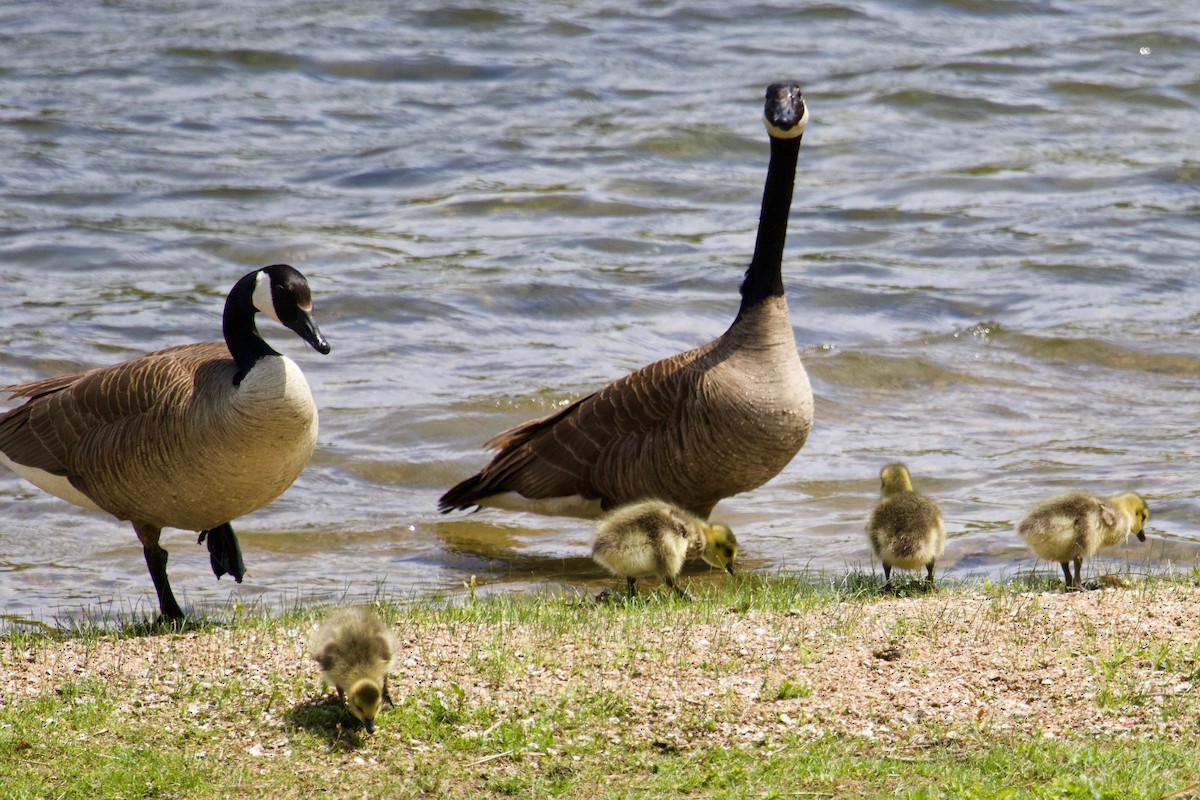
pixel 632 584
pixel 1078 564
pixel 887 576
pixel 929 575
pixel 684 593
pixel 156 561
pixel 387 698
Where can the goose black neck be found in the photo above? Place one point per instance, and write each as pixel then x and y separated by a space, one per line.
pixel 764 277
pixel 241 334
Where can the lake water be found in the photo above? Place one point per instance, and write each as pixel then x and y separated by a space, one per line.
pixel 993 264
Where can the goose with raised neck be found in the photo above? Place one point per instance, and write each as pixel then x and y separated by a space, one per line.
pixel 693 428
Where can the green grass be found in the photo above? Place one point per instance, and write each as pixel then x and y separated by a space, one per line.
pixel 233 730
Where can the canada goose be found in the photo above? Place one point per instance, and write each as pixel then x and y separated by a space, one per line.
pixel 905 527
pixel 652 538
pixel 742 401
pixel 1073 526
pixel 355 651
pixel 189 437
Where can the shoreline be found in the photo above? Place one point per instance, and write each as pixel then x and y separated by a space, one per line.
pixel 510 685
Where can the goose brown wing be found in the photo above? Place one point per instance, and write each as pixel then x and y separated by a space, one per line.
pixel 599 447
pixel 69 420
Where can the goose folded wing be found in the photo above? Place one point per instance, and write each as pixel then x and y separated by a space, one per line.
pixel 600 443
pixel 69 417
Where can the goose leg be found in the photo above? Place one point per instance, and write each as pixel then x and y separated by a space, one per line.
pixel 387 698
pixel 631 582
pixel 1078 564
pixel 929 574
pixel 224 552
pixel 887 575
pixel 156 561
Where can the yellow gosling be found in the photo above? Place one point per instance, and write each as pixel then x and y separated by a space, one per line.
pixel 905 527
pixel 652 538
pixel 355 651
pixel 1073 526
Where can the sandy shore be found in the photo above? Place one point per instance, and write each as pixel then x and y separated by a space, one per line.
pixel 1118 662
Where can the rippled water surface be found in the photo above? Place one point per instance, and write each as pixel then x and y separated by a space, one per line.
pixel 992 263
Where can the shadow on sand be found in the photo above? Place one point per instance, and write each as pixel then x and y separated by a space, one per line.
pixel 328 717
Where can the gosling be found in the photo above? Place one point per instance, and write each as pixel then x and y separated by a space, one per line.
pixel 355 651
pixel 652 538
pixel 905 527
pixel 1073 526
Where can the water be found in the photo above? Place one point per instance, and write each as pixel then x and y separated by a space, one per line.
pixel 991 264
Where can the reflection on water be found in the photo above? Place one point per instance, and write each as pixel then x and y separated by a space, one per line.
pixel 990 262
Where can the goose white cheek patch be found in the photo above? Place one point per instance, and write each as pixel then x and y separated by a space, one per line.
pixel 792 132
pixel 262 296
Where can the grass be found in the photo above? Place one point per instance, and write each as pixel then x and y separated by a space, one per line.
pixel 764 687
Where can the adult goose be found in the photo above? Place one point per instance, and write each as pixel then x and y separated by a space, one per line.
pixel 690 429
pixel 189 437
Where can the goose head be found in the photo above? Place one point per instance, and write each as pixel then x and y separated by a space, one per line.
pixel 279 292
pixel 282 293
pixel 363 700
pixel 1133 504
pixel 720 547
pixel 894 478
pixel 785 113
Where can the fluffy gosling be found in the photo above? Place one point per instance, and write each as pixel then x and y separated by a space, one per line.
pixel 1073 526
pixel 905 527
pixel 355 651
pixel 652 538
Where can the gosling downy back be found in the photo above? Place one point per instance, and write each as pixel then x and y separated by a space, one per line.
pixel 356 650
pixel 742 401
pixel 905 528
pixel 189 437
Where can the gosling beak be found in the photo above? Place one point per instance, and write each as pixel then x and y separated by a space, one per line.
pixel 1141 535
pixel 729 568
pixel 369 724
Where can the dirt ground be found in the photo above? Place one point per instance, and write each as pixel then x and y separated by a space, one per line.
pixel 1120 662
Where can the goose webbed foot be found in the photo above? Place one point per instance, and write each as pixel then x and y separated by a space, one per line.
pixel 224 552
pixel 1073 584
pixel 679 590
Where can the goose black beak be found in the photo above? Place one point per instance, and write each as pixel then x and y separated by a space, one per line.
pixel 1141 536
pixel 785 112
pixel 306 328
pixel 369 724
pixel 729 567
